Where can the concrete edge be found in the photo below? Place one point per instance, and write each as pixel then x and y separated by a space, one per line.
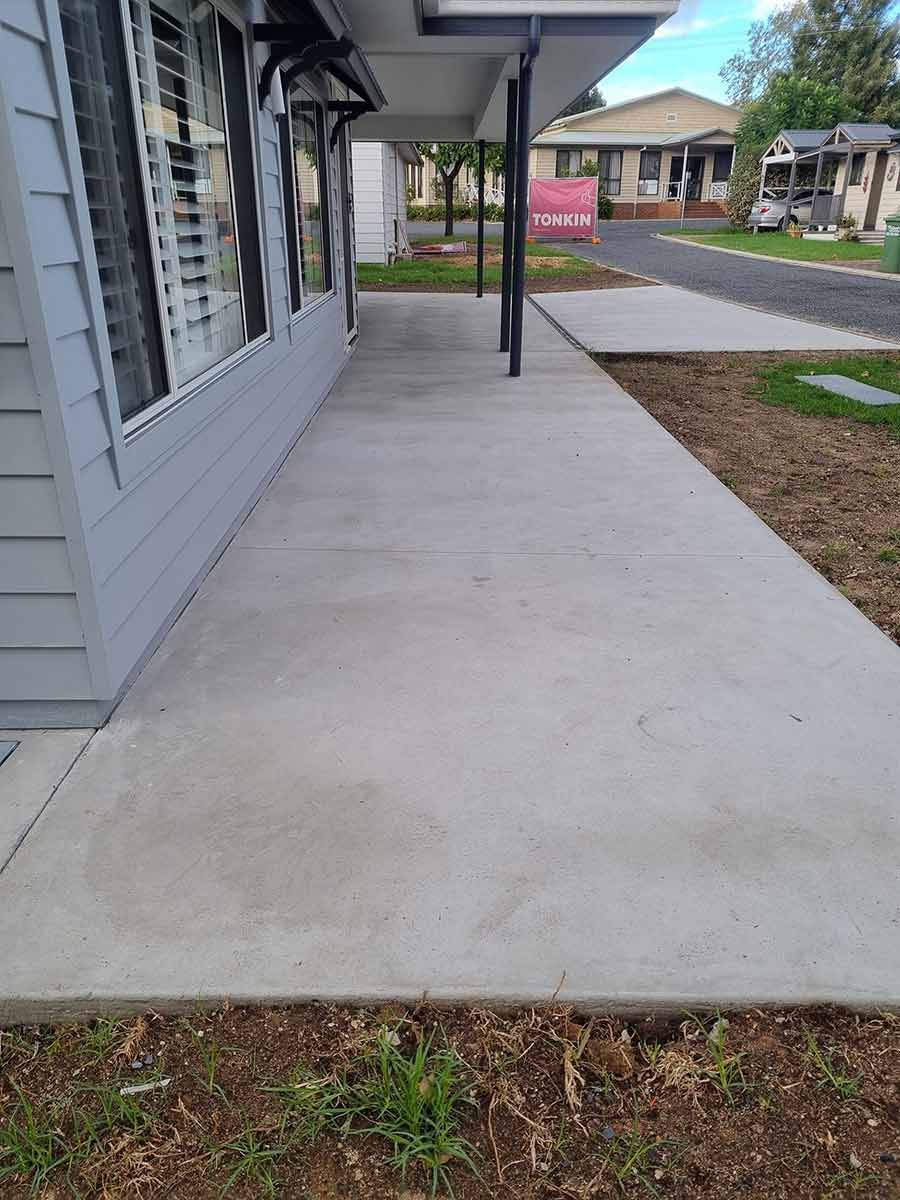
pixel 39 1010
pixel 884 276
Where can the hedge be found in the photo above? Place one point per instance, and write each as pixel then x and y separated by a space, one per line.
pixel 461 212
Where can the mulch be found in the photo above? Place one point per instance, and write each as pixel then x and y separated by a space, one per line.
pixel 829 486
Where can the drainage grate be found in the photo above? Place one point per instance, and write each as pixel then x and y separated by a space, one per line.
pixel 6 749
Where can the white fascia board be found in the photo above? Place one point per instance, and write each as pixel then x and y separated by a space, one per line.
pixel 662 9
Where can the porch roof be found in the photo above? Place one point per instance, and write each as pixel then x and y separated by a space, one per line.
pixel 655 140
pixel 443 64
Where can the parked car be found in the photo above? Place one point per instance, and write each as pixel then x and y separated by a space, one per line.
pixel 771 211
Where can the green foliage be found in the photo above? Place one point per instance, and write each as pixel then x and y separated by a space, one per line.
pixel 413 1102
pixel 727 1072
pixel 770 51
pixel 586 102
pixel 31 1145
pixel 743 187
pixel 250 1159
pixel 632 1156
pixel 771 244
pixel 604 207
pixel 792 102
pixel 449 158
pixel 852 47
pixel 461 212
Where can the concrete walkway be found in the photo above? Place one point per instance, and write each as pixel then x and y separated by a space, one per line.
pixel 672 320
pixel 497 683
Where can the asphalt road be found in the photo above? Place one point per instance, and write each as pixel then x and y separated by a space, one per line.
pixel 830 297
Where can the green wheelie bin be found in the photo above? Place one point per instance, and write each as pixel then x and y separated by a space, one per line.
pixel 890 258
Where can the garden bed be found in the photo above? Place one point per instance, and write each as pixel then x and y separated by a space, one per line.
pixel 325 1103
pixel 823 471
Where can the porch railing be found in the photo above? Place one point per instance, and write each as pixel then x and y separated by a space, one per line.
pixel 719 191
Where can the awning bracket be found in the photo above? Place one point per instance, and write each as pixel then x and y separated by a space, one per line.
pixel 349 110
pixel 300 43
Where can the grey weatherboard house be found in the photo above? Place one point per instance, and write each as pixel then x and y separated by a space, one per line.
pixel 177 282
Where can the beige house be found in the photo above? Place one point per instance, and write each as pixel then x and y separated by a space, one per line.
pixel 657 154
pixel 854 170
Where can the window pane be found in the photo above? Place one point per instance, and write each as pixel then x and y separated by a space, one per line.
pixel 177 54
pixel 310 184
pixel 856 169
pixel 648 181
pixel 95 56
pixel 722 166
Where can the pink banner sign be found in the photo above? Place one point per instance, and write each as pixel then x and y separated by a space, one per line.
pixel 562 207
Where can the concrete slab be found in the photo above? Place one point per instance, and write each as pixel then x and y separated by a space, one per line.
pixel 418 736
pixel 29 776
pixel 670 320
pixel 852 389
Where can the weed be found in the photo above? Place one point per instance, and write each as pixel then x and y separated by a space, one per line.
pixel 830 1076
pixel 251 1159
pixel 98 1040
pixel 414 1103
pixel 727 1072
pixel 210 1052
pixel 835 551
pixel 651 1052
pixel 847 1183
pixel 779 489
pixel 16 1048
pixel 107 1111
pixel 633 1155
pixel 889 554
pixel 729 480
pixel 31 1144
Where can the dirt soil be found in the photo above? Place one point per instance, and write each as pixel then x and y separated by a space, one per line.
pixel 829 486
pixel 566 1108
pixel 597 279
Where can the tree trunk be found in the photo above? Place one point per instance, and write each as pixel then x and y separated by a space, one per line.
pixel 448 203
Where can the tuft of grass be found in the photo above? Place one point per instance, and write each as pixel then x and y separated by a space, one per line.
pixel 415 1103
pixel 780 387
pixel 727 1072
pixel 210 1052
pixel 251 1159
pixel 830 1075
pixel 31 1144
pixel 889 554
pixel 833 552
pixel 99 1040
pixel 633 1156
pixel 852 1182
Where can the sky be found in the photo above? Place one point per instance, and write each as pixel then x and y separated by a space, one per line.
pixel 688 50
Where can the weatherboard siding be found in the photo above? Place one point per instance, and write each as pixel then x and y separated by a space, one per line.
pixel 368 202
pixel 649 116
pixel 43 657
pixel 145 517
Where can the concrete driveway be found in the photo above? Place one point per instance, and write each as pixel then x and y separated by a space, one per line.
pixel 496 688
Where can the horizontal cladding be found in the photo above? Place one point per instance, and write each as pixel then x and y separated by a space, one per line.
pixel 43 660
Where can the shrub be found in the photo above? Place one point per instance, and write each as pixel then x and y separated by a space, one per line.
pixel 743 188
pixel 604 208
pixel 461 212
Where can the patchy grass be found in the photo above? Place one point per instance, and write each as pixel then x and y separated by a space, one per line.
pixel 548 268
pixel 325 1103
pixel 779 385
pixel 782 245
pixel 822 470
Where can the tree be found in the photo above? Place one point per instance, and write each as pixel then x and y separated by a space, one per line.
pixel 449 158
pixel 852 46
pixel 771 51
pixel 791 102
pixel 743 187
pixel 592 98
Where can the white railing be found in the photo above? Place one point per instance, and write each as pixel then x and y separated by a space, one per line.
pixel 718 191
pixel 673 190
pixel 491 195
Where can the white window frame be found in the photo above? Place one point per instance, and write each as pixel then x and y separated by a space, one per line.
pixel 179 395
pixel 309 304
pixel 648 179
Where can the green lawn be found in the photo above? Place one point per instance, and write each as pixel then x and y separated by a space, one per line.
pixel 779 386
pixel 781 245
pixel 442 272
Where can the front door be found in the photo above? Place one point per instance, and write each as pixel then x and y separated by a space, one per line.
pixel 348 240
pixel 695 165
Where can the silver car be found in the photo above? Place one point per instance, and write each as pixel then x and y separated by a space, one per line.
pixel 771 212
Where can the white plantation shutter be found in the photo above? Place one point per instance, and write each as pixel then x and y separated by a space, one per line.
pixel 95 60
pixel 179 77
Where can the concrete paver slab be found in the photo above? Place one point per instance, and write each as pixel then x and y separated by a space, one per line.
pixel 29 775
pixel 670 320
pixel 401 741
pixel 851 388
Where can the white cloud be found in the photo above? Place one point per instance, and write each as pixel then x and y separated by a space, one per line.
pixel 673 29
pixel 765 8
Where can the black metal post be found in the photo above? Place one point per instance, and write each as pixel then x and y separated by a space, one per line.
pixel 479 268
pixel 526 69
pixel 509 209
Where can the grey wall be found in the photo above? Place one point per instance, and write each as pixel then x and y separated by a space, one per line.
pixel 143 519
